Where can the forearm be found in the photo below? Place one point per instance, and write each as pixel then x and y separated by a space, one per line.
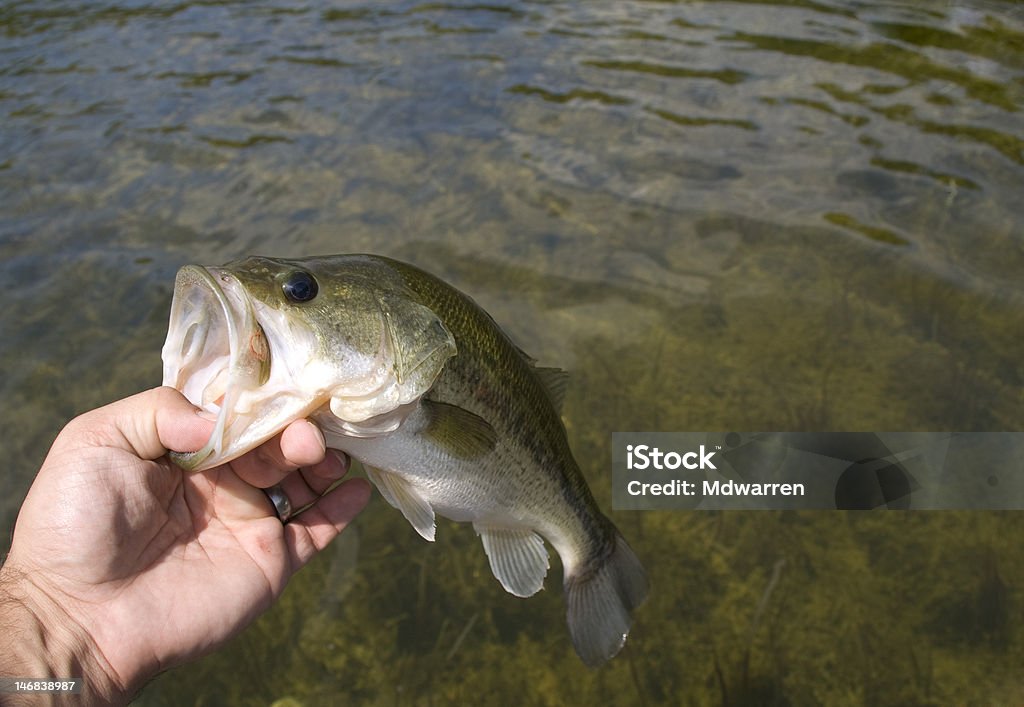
pixel 42 643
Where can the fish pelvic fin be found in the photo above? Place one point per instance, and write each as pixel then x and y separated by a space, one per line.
pixel 518 558
pixel 404 496
pixel 600 602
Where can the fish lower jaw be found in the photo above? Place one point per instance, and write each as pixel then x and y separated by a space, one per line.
pixel 366 428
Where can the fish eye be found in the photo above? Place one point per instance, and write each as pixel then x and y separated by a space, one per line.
pixel 300 287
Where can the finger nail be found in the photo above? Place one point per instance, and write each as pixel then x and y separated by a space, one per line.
pixel 319 433
pixel 343 458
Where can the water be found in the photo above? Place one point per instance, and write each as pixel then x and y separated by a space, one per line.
pixel 749 215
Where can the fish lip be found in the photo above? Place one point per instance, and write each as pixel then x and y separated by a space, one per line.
pixel 201 307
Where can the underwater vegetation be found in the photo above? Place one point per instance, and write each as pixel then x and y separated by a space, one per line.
pixel 723 215
pixel 771 608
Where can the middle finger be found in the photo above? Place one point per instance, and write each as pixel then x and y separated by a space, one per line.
pixel 300 444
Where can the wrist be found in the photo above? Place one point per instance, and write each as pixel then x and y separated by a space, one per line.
pixel 44 642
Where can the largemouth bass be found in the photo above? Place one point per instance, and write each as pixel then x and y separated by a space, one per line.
pixel 413 379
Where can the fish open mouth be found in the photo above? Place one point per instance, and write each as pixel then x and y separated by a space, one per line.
pixel 214 354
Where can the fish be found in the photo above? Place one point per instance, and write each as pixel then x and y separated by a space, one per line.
pixel 409 376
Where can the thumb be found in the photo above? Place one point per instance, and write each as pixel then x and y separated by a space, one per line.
pixel 147 424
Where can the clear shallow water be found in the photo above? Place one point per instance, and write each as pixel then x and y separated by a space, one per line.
pixel 746 215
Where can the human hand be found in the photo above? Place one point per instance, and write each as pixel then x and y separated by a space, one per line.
pixel 130 565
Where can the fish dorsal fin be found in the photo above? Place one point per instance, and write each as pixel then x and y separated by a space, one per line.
pixel 518 558
pixel 526 357
pixel 458 431
pixel 404 496
pixel 555 381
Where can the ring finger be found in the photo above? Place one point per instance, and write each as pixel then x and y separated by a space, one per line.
pixel 309 483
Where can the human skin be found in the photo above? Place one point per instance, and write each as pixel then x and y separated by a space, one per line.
pixel 122 565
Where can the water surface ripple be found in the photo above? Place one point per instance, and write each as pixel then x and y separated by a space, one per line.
pixel 743 214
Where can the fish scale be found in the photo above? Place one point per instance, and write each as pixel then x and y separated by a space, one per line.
pixel 515 403
pixel 412 378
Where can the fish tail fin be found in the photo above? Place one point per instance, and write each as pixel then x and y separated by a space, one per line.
pixel 600 602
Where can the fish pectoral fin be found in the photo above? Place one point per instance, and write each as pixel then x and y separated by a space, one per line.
pixel 461 433
pixel 518 558
pixel 403 495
